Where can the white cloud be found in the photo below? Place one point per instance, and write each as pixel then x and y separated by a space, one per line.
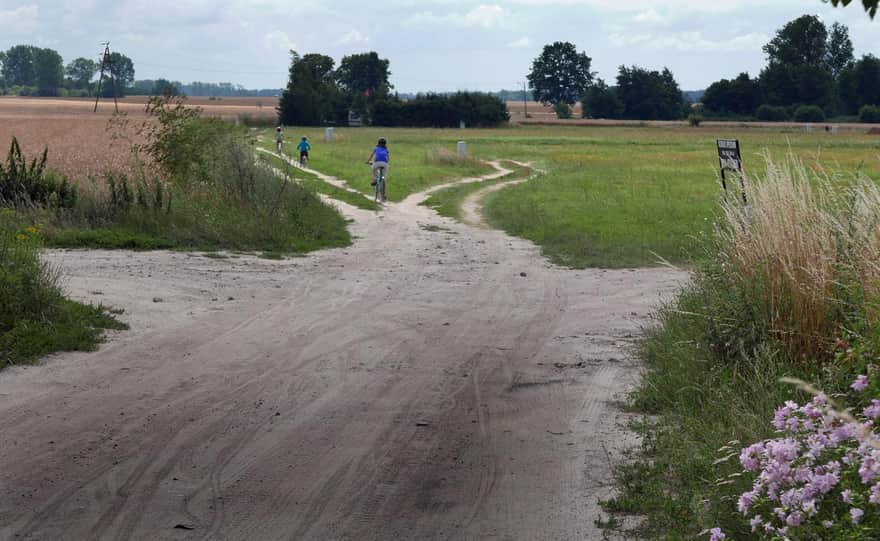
pixel 352 36
pixel 279 40
pixel 22 16
pixel 520 43
pixel 651 17
pixel 487 16
pixel 690 41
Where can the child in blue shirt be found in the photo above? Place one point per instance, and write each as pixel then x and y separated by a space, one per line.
pixel 304 148
pixel 379 158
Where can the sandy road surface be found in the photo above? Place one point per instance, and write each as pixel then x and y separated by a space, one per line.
pixel 413 386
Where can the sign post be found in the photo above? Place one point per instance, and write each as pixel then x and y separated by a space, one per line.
pixel 730 158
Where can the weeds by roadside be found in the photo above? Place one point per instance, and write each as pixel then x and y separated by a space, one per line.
pixel 787 290
pixel 35 318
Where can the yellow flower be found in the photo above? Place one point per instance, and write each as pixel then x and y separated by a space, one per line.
pixel 21 237
pixel 30 230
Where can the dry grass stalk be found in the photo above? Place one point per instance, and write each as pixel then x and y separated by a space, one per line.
pixel 802 239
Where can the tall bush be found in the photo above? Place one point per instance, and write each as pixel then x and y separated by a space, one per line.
pixel 809 113
pixel 870 114
pixel 772 113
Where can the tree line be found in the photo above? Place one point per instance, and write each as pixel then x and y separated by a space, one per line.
pixel 319 93
pixel 811 74
pixel 26 70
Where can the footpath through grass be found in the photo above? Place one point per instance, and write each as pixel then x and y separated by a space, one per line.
pixel 420 158
pixel 315 184
pixel 448 202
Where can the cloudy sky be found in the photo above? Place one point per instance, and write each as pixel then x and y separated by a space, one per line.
pixel 432 44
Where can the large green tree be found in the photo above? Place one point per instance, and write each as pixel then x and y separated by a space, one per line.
pixel 18 68
pixel 798 63
pixel 311 97
pixel 649 95
pixel 801 41
pixel 365 74
pixel 48 71
pixel 560 74
pixel 839 49
pixel 80 72
pixel 871 6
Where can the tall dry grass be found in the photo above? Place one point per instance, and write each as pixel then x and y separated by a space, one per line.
pixel 807 249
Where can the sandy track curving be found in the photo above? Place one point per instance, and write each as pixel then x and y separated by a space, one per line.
pixel 439 382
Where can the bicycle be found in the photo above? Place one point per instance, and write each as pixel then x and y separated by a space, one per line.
pixel 379 183
pixel 303 160
pixel 279 146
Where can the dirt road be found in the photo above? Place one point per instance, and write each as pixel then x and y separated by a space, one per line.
pixel 432 381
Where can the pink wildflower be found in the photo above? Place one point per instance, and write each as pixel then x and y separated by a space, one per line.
pixel 860 384
pixel 856 515
pixel 716 534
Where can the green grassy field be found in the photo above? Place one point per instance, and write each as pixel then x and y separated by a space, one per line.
pixel 612 197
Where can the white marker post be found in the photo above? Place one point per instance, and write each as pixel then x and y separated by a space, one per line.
pixel 328 135
pixel 462 150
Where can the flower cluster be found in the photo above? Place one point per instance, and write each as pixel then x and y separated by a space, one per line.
pixel 820 478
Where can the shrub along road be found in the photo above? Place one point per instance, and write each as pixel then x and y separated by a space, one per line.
pixel 432 380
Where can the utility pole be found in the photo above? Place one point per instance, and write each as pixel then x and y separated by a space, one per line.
pixel 525 102
pixel 107 63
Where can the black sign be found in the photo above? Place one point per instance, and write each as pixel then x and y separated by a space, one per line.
pixel 729 155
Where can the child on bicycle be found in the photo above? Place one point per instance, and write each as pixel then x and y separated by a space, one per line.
pixel 303 148
pixel 279 138
pixel 379 159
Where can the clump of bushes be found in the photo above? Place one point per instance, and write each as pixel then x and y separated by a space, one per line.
pixel 475 109
pixel 870 114
pixel 695 119
pixel 809 113
pixel 771 113
pixel 562 110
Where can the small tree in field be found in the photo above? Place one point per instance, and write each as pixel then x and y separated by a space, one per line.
pixel 560 74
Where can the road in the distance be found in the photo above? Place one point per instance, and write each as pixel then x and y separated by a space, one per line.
pixel 432 381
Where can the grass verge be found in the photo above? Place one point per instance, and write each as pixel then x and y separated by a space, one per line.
pixel 35 318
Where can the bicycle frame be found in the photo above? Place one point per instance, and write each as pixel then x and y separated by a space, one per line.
pixel 379 177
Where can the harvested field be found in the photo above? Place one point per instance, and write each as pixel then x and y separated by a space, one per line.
pixel 78 139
